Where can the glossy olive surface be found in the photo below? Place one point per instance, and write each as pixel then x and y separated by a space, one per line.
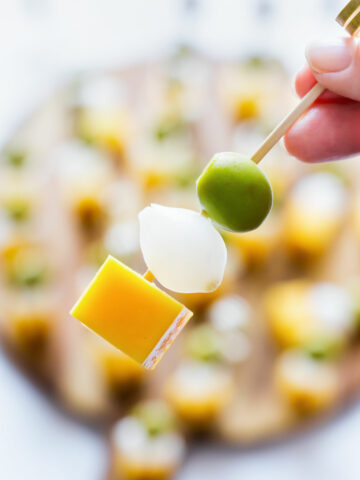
pixel 234 192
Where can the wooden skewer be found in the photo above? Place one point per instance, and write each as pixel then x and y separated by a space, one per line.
pixel 286 123
pixel 149 276
pixel 348 12
pixel 349 17
pixel 354 25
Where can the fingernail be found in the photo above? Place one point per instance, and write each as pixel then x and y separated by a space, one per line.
pixel 327 57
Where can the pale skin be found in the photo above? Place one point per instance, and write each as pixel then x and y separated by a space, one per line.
pixel 330 129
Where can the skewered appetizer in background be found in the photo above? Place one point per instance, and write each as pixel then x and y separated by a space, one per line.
pixel 19 196
pixel 25 260
pixel 80 383
pixel 146 445
pixel 231 318
pixel 165 151
pixel 193 390
pixel 178 91
pixel 318 318
pixel 15 157
pixel 27 267
pixel 168 160
pixel 314 214
pixel 102 117
pixel 309 385
pixel 84 176
pixel 28 324
pixel 12 243
pixel 121 376
pixel 256 91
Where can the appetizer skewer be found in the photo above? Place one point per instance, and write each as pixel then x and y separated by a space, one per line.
pixel 120 305
pixel 146 445
pixel 235 194
pixel 309 385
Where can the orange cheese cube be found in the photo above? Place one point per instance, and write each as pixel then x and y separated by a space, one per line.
pixel 131 313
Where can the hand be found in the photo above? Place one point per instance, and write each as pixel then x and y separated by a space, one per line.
pixel 331 128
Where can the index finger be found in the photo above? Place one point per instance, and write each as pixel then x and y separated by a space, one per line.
pixel 305 80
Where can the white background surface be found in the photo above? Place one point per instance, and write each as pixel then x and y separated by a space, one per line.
pixel 44 41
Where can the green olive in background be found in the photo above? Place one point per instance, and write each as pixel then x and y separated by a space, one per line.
pixel 29 269
pixel 16 158
pixel 18 209
pixel 155 415
pixel 204 344
pixel 234 192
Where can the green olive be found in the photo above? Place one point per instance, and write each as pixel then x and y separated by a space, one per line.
pixel 234 192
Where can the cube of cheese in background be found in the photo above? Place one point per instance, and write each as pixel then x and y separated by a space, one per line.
pixel 131 313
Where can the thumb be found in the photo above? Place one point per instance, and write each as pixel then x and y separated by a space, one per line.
pixel 336 65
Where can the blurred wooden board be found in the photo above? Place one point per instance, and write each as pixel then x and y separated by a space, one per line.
pixel 257 414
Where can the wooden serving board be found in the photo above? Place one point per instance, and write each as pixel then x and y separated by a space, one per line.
pixel 257 413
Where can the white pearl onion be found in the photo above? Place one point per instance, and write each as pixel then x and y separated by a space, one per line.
pixel 182 249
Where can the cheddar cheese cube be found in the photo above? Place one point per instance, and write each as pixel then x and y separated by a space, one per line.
pixel 131 313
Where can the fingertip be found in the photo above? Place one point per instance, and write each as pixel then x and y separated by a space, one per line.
pixel 304 81
pixel 336 65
